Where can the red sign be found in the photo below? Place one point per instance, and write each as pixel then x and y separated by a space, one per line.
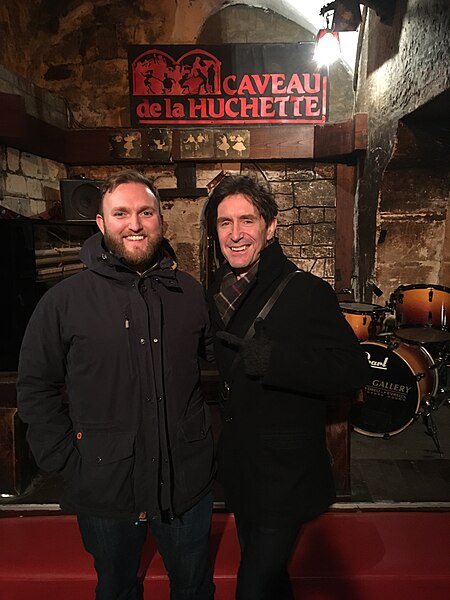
pixel 236 84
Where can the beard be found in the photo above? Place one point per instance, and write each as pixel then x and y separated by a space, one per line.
pixel 140 259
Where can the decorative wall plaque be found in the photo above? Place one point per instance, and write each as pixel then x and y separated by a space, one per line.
pixel 197 143
pixel 125 144
pixel 232 144
pixel 159 144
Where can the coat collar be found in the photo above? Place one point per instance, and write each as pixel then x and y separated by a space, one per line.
pixel 272 264
pixel 98 259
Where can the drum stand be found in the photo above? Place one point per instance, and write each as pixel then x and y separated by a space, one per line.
pixel 426 412
pixel 432 403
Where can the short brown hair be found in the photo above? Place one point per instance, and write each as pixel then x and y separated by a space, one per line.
pixel 128 176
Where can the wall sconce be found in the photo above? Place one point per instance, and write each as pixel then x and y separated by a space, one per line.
pixel 328 49
pixel 346 17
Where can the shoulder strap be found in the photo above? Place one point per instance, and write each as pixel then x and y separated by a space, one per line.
pixel 263 313
pixel 269 304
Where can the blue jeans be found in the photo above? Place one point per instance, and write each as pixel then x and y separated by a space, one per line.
pixel 265 553
pixel 116 547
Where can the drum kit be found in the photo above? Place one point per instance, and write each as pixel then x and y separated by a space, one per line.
pixel 407 344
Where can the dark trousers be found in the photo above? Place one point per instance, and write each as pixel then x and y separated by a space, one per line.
pixel 116 547
pixel 265 553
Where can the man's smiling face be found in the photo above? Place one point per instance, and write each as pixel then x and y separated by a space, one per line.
pixel 242 232
pixel 131 224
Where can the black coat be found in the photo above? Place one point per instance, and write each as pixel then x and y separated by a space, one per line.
pixel 273 458
pixel 135 435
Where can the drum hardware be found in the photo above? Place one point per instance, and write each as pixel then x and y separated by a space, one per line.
pixel 426 412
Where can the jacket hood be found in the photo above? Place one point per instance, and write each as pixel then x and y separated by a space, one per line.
pixel 100 260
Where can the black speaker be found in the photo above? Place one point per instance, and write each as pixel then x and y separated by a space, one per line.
pixel 80 198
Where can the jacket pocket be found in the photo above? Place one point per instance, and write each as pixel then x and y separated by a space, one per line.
pixel 197 426
pixel 194 455
pixel 103 479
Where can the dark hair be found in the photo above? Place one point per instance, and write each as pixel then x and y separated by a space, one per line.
pixel 258 194
pixel 128 176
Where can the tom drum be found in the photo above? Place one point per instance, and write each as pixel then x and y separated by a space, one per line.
pixel 422 313
pixel 366 320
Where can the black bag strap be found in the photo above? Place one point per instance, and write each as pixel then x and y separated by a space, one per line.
pixel 263 314
pixel 269 304
pixel 224 392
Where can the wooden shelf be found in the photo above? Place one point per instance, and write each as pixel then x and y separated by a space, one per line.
pixel 333 141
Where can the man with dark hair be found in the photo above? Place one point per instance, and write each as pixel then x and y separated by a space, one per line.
pixel 282 347
pixel 133 440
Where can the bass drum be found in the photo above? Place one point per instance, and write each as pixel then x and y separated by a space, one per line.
pixel 402 377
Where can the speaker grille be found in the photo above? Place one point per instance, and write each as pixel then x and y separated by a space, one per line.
pixel 80 199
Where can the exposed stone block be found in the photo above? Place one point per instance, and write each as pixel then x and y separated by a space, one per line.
pixel 303 234
pixel 317 251
pixel 311 215
pixel 285 235
pixel 3 158
pixel 37 206
pixel 13 160
pixel 314 193
pixel 31 165
pixel 18 205
pixel 281 187
pixel 165 182
pixel 284 201
pixel 330 215
pixel 34 189
pixel 23 206
pixel 324 233
pixel 319 267
pixel 324 171
pixel 56 171
pixel 16 185
pixel 329 268
pixel 302 172
pixel 287 217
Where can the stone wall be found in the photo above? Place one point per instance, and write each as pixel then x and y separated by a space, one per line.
pixel 305 194
pixel 29 184
pixel 412 226
pixel 404 65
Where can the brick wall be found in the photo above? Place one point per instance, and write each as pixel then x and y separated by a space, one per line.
pixel 29 184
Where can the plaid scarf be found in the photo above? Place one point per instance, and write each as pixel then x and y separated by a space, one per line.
pixel 231 292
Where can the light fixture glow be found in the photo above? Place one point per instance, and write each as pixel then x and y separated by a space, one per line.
pixel 327 47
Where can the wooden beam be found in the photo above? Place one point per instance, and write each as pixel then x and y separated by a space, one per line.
pixel 335 140
pixel 91 146
pixel 345 199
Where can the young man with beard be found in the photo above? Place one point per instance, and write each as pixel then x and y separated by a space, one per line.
pixel 133 437
pixel 278 367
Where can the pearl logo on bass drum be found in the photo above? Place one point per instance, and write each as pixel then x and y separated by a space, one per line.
pixel 377 364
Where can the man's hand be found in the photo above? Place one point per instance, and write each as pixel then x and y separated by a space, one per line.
pixel 255 352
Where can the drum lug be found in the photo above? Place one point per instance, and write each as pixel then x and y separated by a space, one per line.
pixel 420 376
